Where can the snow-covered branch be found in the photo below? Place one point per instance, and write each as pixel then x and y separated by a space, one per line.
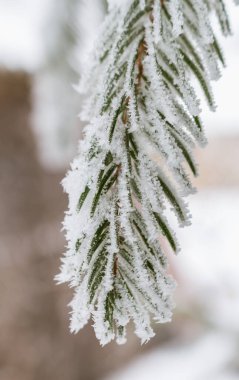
pixel 141 102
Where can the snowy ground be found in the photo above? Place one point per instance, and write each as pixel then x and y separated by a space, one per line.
pixel 208 276
pixel 210 255
pixel 204 359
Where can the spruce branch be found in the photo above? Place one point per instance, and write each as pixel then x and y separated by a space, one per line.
pixel 135 159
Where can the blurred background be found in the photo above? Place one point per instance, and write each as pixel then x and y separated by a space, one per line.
pixel 43 46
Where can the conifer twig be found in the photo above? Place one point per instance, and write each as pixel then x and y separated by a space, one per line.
pixel 141 102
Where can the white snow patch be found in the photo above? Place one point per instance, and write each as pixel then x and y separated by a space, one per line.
pixel 200 360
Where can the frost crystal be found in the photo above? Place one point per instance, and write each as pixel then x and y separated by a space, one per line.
pixel 143 123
